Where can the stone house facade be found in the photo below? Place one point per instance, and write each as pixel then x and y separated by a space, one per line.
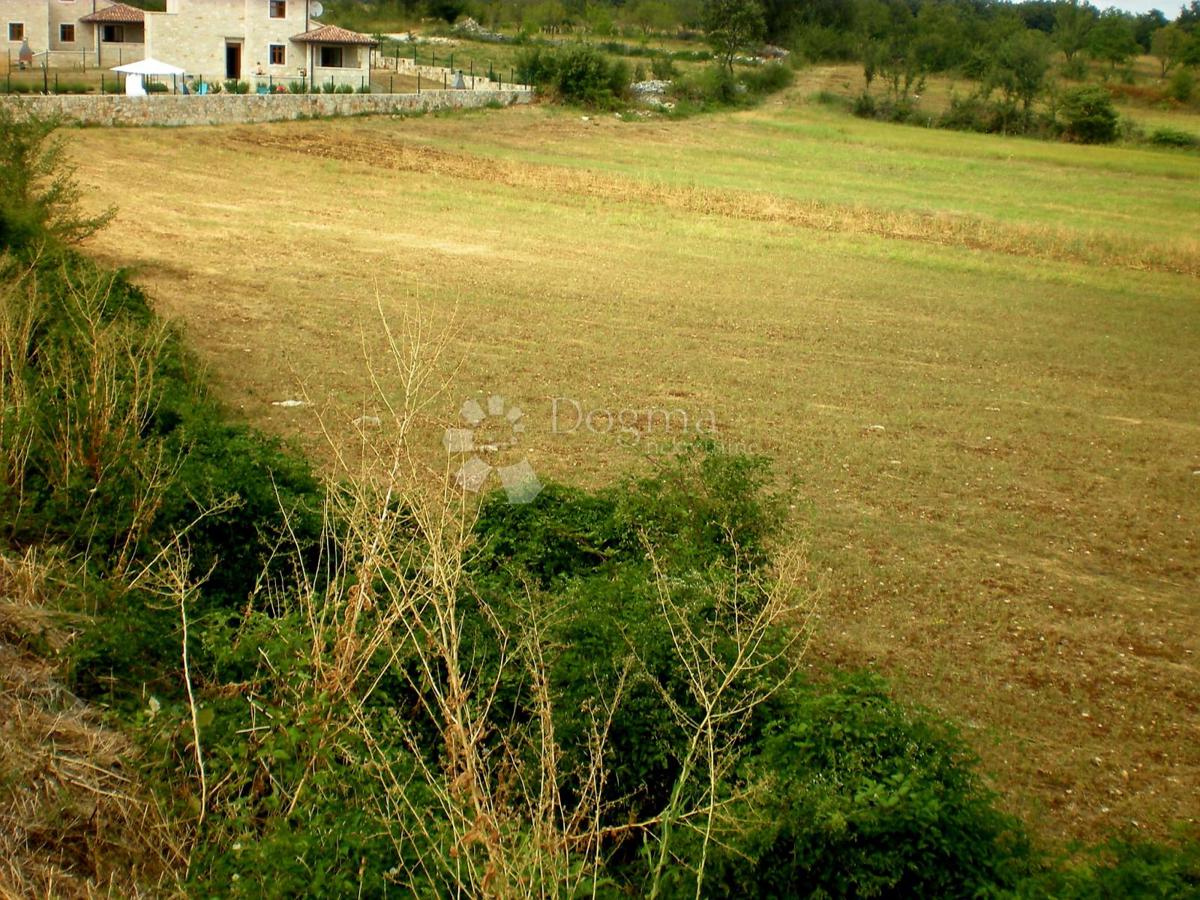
pixel 264 42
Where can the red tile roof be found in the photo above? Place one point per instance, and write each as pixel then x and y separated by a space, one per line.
pixel 117 13
pixel 332 34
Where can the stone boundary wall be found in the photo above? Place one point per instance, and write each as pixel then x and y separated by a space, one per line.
pixel 435 74
pixel 234 109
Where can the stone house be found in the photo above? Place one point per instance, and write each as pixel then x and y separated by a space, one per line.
pixel 260 41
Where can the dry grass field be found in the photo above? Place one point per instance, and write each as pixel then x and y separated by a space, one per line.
pixel 974 361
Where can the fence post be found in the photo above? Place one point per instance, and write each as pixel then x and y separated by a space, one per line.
pixel 418 81
pixel 391 84
pixel 444 81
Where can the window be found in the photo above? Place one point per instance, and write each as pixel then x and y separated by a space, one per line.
pixel 331 57
pixel 278 55
pixel 66 33
pixel 114 34
pixel 278 9
pixel 16 31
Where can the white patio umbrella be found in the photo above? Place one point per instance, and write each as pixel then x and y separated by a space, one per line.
pixel 148 66
pixel 135 71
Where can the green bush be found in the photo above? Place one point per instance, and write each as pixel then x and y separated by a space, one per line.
pixel 1173 137
pixel 970 113
pixel 38 195
pixel 1088 116
pixel 864 797
pixel 1182 86
pixel 768 78
pixel 708 87
pixel 584 75
pixel 826 98
pixel 537 66
pixel 232 86
pixel 1124 867
pixel 663 68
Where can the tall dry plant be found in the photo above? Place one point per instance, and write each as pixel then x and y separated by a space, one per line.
pixel 19 316
pixel 87 400
pixel 490 810
pixel 735 657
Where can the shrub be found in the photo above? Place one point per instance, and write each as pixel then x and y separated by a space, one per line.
pixel 1088 116
pixel 1173 137
pixel 584 75
pixel 38 194
pixel 537 66
pixel 71 87
pixel 1126 867
pixel 970 113
pixel 862 796
pixel 1182 85
pixel 713 85
pixel 233 86
pixel 864 106
pixel 663 68
pixel 768 79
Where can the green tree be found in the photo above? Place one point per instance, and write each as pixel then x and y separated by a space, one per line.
pixel 1168 45
pixel 653 16
pixel 1145 25
pixel 1112 40
pixel 1019 69
pixel 733 26
pixel 1072 23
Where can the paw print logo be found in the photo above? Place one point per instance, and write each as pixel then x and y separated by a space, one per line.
pixel 492 430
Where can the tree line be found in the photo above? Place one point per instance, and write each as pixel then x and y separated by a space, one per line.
pixel 945 33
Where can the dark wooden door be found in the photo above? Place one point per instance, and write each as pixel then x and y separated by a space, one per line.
pixel 233 61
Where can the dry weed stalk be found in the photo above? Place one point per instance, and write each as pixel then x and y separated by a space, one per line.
pixel 19 315
pixel 109 394
pixel 735 657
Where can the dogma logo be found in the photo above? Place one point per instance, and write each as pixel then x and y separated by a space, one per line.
pixel 491 431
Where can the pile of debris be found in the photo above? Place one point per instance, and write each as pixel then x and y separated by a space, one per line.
pixel 477 31
pixel 652 93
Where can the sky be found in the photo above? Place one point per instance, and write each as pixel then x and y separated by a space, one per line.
pixel 1169 7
